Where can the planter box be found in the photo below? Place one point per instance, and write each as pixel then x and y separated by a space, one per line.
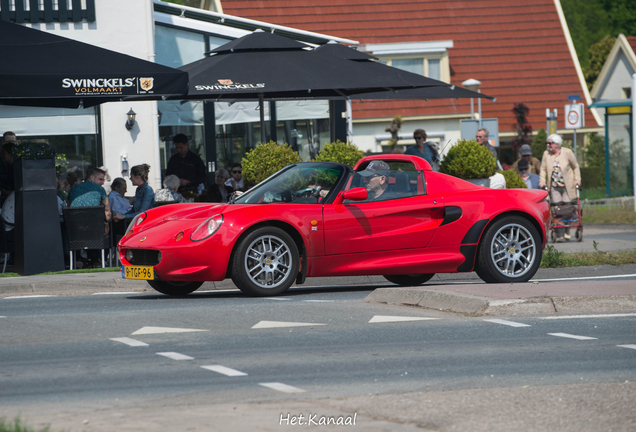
pixel 38 236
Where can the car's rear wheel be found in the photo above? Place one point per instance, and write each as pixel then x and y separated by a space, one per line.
pixel 175 288
pixel 265 262
pixel 409 279
pixel 510 251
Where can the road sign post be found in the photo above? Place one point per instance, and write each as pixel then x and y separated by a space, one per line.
pixel 574 119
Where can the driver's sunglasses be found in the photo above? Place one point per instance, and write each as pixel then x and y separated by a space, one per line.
pixel 237 172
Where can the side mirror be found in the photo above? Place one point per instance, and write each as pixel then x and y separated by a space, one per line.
pixel 355 194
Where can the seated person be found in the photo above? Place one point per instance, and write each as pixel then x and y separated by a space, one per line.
pixel 116 196
pixel 144 195
pixel 219 192
pixel 376 179
pixel 169 194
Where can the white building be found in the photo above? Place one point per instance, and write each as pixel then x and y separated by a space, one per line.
pixel 171 35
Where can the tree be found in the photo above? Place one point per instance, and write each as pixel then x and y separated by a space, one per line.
pixel 523 126
pixel 598 54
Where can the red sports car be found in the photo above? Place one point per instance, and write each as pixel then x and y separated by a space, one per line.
pixel 391 215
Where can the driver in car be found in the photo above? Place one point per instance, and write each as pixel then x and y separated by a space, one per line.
pixel 376 179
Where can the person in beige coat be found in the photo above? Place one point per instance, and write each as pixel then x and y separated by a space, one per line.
pixel 561 173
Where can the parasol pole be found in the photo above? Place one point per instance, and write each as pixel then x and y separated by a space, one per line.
pixel 261 107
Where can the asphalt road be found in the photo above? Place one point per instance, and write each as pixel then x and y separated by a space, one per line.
pixel 109 363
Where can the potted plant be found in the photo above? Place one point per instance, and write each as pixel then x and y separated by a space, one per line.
pixel 265 160
pixel 38 235
pixel 469 161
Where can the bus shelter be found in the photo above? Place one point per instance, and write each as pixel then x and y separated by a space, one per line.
pixel 619 154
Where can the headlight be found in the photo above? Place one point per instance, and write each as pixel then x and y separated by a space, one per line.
pixel 207 228
pixel 129 255
pixel 136 221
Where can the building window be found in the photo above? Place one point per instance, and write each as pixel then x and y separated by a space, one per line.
pixel 429 67
pixel 627 93
pixel 429 59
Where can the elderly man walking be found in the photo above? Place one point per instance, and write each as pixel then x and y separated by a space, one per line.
pixel 560 172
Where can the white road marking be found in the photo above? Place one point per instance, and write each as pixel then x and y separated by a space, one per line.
pixel 129 341
pixel 2 316
pixel 588 316
pixel 224 370
pixel 508 323
pixel 175 356
pixel 275 324
pixel 282 387
pixel 583 278
pixel 29 296
pixel 571 336
pixel 627 346
pixel 319 301
pixel 115 293
pixel 387 318
pixel 159 330
pixel 275 298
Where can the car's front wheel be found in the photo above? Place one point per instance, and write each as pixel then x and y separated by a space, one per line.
pixel 510 251
pixel 175 288
pixel 409 279
pixel 265 262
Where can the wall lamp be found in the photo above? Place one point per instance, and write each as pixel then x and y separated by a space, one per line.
pixel 131 119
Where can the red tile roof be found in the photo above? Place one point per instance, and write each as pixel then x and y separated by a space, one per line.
pixel 632 42
pixel 518 50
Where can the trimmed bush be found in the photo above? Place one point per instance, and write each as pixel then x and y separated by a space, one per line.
pixel 266 159
pixel 538 144
pixel 513 180
pixel 469 160
pixel 346 153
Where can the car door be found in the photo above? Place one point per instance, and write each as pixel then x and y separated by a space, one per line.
pixel 407 222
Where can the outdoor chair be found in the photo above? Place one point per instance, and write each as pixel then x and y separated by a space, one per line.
pixel 6 247
pixel 85 227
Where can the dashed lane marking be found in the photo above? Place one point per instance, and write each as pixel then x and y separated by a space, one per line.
pixel 588 316
pixel 29 296
pixel 129 341
pixel 224 370
pixel 571 336
pixel 388 318
pixel 159 330
pixel 508 323
pixel 282 387
pixel 274 324
pixel 627 346
pixel 319 301
pixel 175 356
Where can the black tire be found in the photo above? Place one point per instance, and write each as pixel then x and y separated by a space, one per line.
pixel 509 251
pixel 579 234
pixel 265 262
pixel 409 280
pixel 175 288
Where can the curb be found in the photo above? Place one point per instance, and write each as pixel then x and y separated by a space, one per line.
pixel 467 304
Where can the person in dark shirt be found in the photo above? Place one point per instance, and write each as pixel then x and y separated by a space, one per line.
pixel 186 165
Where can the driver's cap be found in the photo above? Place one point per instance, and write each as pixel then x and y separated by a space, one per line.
pixel 375 167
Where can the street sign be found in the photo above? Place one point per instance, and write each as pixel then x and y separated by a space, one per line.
pixel 574 116
pixel 574 97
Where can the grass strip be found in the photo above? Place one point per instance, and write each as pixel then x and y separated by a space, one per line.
pixel 91 270
pixel 18 425
pixel 553 258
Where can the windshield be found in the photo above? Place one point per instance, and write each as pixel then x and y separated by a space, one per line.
pixel 304 183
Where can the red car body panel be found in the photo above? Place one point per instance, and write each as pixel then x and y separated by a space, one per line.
pixel 436 232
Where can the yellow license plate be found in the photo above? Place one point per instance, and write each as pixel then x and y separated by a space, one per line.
pixel 138 272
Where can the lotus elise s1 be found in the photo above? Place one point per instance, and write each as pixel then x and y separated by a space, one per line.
pixel 390 215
